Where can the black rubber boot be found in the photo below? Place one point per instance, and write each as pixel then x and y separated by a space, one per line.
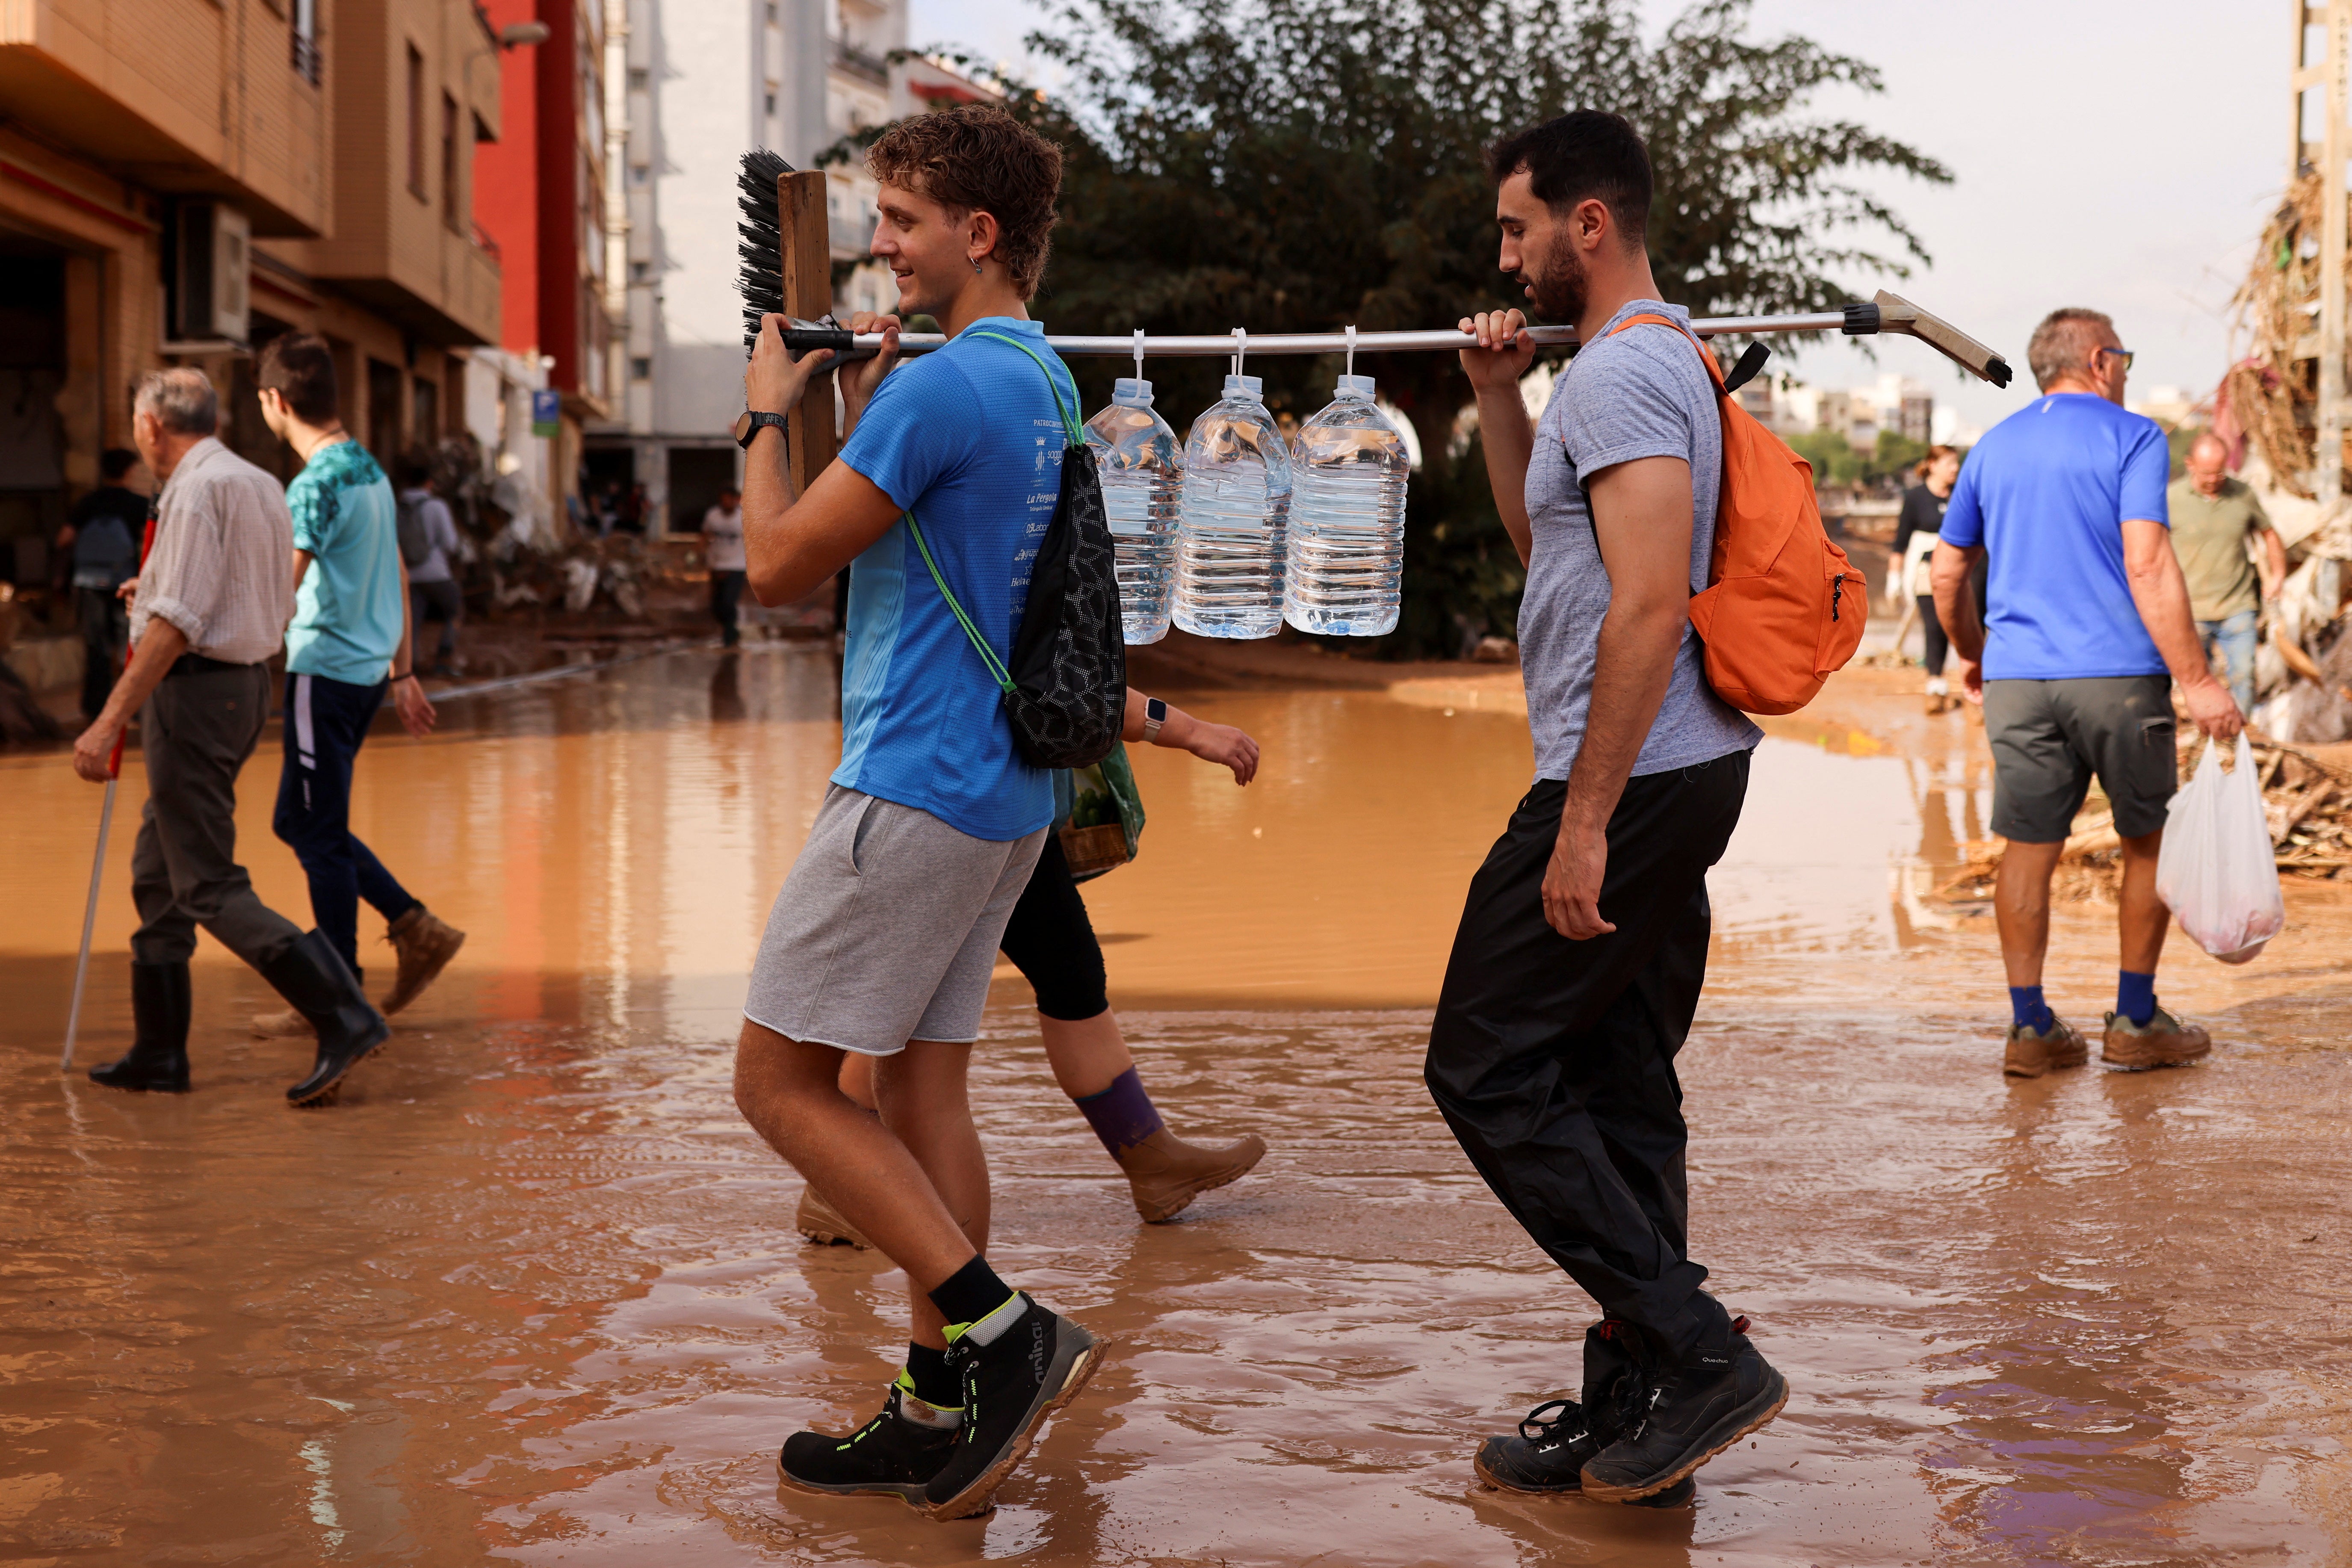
pixel 314 980
pixel 1560 1436
pixel 158 1061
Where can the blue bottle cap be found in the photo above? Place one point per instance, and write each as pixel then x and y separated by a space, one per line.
pixel 1131 393
pixel 1244 386
pixel 1354 386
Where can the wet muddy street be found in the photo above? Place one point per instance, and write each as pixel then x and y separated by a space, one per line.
pixel 531 1293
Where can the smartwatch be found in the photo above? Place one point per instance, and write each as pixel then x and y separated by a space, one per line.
pixel 749 424
pixel 1155 714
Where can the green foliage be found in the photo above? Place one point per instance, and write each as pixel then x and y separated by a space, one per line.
pixel 1299 165
pixel 1894 456
pixel 1834 461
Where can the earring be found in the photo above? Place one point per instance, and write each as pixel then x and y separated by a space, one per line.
pixel 975 264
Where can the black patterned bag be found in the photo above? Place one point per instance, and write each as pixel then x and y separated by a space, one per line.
pixel 1065 686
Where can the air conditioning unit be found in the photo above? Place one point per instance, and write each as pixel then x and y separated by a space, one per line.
pixel 211 272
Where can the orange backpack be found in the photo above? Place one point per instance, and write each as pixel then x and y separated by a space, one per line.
pixel 1783 608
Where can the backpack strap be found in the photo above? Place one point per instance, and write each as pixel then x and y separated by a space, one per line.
pixel 1651 317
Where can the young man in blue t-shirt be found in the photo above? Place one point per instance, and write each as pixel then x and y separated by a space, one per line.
pixel 2088 613
pixel 885 934
pixel 348 646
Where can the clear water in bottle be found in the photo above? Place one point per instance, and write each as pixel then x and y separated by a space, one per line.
pixel 1143 468
pixel 1349 468
pixel 1229 581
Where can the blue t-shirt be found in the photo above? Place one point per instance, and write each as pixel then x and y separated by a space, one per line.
pixel 970 440
pixel 2046 492
pixel 347 613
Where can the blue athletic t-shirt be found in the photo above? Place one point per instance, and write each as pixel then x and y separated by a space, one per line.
pixel 2046 492
pixel 970 440
pixel 347 621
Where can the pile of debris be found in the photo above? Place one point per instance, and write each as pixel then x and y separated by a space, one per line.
pixel 2308 801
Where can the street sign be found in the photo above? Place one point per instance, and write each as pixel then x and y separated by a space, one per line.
pixel 546 412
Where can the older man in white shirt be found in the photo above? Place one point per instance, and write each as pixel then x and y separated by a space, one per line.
pixel 212 602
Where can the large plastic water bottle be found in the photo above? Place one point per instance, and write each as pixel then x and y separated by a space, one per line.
pixel 1229 556
pixel 1348 467
pixel 1142 469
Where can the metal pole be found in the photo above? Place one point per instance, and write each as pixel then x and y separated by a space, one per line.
pixel 1224 344
pixel 90 916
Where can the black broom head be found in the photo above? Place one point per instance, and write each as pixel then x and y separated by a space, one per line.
pixel 760 236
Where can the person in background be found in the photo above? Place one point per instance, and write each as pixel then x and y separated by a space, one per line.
pixel 1907 567
pixel 722 550
pixel 432 594
pixel 2214 518
pixel 349 644
pixel 103 533
pixel 210 612
pixel 2089 612
pixel 1050 939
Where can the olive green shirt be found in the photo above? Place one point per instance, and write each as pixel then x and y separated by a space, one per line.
pixel 2209 535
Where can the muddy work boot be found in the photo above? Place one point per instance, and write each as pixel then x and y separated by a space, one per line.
pixel 892 1455
pixel 820 1222
pixel 2034 1052
pixel 1034 1367
pixel 2164 1041
pixel 286 1026
pixel 1688 1415
pixel 1560 1437
pixel 1165 1174
pixel 158 1061
pixel 313 976
pixel 424 946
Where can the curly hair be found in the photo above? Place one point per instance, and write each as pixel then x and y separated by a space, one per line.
pixel 976 158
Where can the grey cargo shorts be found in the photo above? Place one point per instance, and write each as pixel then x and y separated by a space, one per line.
pixel 2048 738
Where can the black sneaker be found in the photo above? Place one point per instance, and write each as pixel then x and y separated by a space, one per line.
pixel 1034 1368
pixel 888 1454
pixel 1559 1436
pixel 1687 1415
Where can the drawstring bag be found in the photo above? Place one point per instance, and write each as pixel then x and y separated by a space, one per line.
pixel 2217 871
pixel 1065 685
pixel 1099 815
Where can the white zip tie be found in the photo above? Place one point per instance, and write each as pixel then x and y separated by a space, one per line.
pixel 1352 348
pixel 1241 348
pixel 1138 353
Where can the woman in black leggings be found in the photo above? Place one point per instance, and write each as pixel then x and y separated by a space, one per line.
pixel 1050 939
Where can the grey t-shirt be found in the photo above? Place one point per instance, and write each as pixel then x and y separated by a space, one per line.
pixel 1642 394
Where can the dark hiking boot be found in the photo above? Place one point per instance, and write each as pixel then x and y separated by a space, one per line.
pixel 1165 1174
pixel 313 976
pixel 1034 1368
pixel 2164 1041
pixel 158 1060
pixel 1559 1436
pixel 424 946
pixel 820 1222
pixel 1687 1415
pixel 2034 1052
pixel 889 1455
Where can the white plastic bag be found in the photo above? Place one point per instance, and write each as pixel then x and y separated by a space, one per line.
pixel 2217 871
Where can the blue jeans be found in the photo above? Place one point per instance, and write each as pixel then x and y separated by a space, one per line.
pixel 2235 637
pixel 326 722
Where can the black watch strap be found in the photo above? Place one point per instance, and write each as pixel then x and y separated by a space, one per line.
pixel 750 423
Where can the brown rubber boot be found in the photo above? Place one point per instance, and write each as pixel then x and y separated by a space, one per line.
pixel 2164 1041
pixel 820 1222
pixel 1167 1174
pixel 425 946
pixel 2031 1053
pixel 287 1025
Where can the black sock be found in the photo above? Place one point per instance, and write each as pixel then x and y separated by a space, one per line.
pixel 970 1293
pixel 927 1369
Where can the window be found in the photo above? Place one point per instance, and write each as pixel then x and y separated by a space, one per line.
pixel 641 369
pixel 416 123
pixel 772 12
pixel 639 78
pixel 771 103
pixel 425 429
pixel 640 271
pixel 451 185
pixel 303 43
pixel 639 173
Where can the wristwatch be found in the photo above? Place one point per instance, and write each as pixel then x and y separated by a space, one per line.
pixel 1155 714
pixel 748 424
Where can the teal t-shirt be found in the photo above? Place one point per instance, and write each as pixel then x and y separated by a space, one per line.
pixel 347 611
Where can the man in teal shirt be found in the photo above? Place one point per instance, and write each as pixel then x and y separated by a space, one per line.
pixel 349 641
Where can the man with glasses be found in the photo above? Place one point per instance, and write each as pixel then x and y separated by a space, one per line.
pixel 2088 613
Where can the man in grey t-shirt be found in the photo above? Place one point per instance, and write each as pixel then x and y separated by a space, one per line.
pixel 1577 968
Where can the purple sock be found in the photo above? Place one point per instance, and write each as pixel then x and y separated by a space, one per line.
pixel 1122 1115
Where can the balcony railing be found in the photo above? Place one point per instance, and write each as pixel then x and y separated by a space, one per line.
pixel 302 53
pixel 861 63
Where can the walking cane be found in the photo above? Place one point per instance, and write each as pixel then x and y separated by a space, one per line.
pixel 89 912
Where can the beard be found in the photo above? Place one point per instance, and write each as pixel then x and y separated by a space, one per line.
pixel 1558 291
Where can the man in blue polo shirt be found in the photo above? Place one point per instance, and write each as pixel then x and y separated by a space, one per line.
pixel 2088 614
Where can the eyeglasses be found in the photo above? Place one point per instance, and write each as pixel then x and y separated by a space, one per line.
pixel 2124 355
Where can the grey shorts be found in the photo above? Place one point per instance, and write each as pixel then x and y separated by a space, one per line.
pixel 887 928
pixel 2049 737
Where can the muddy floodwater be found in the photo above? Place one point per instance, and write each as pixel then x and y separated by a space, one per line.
pixel 531 1293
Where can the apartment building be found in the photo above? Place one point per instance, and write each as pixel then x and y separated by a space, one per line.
pixel 180 182
pixel 700 82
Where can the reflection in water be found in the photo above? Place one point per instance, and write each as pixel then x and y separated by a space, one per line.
pixel 528 1294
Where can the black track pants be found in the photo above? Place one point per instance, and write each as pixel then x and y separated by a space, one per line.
pixel 1553 1060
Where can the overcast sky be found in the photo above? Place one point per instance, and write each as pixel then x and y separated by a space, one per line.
pixel 2116 156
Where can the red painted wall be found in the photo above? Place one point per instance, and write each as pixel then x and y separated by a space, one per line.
pixel 512 181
